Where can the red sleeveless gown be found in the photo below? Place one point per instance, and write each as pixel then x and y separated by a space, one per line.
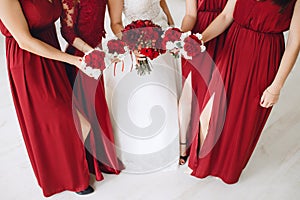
pixel 201 68
pixel 43 101
pixel 247 65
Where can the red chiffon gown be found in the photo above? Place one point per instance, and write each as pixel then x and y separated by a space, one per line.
pixel 201 68
pixel 43 101
pixel 85 19
pixel 248 64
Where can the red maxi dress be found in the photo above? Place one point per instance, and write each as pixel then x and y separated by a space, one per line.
pixel 201 68
pixel 85 19
pixel 247 66
pixel 43 101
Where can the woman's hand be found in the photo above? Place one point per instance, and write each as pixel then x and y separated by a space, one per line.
pixel 270 97
pixel 77 62
pixel 93 73
pixel 139 56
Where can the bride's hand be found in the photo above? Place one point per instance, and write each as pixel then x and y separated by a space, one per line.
pixel 139 56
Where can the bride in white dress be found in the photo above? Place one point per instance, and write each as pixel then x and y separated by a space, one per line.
pixel 144 109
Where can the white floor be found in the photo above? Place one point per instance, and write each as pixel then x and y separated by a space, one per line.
pixel 273 172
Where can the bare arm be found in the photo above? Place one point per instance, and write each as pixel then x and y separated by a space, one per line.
pixel 13 18
pixel 271 94
pixel 165 8
pixel 190 17
pixel 81 45
pixel 115 8
pixel 221 23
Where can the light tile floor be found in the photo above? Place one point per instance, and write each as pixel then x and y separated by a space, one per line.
pixel 273 172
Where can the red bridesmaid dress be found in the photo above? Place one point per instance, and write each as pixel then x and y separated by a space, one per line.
pixel 201 68
pixel 87 23
pixel 43 101
pixel 248 64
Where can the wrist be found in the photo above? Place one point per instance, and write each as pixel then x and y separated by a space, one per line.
pixel 85 48
pixel 276 85
pixel 74 60
pixel 171 22
pixel 274 89
pixel 119 35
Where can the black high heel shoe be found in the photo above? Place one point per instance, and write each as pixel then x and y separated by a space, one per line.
pixel 88 190
pixel 183 159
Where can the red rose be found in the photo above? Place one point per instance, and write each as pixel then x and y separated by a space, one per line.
pixel 159 32
pixel 159 46
pixel 173 34
pixel 116 46
pixel 131 37
pixel 192 45
pixel 151 33
pixel 150 53
pixel 139 24
pixel 95 59
pixel 149 23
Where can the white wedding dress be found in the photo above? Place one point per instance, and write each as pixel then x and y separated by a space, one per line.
pixel 144 109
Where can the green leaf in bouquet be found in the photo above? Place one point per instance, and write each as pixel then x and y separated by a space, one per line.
pixel 179 45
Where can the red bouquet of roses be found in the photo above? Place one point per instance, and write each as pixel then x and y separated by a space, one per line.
pixel 183 44
pixel 93 63
pixel 116 49
pixel 172 41
pixel 193 45
pixel 172 35
pixel 143 37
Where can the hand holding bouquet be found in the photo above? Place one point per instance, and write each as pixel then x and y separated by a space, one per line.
pixel 148 41
pixel 116 50
pixel 144 38
pixel 183 44
pixel 172 41
pixel 93 63
pixel 193 46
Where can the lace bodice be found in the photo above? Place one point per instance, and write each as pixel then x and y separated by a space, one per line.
pixel 144 10
pixel 83 19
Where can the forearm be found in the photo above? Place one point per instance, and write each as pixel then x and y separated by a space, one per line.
pixel 218 26
pixel 190 17
pixel 291 52
pixel 165 8
pixel 188 23
pixel 221 23
pixel 286 65
pixel 271 94
pixel 117 29
pixel 40 48
pixel 115 13
pixel 81 45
